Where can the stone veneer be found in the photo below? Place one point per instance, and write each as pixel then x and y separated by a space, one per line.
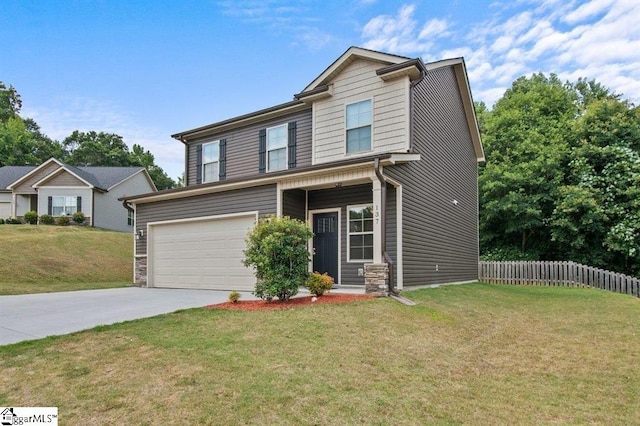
pixel 140 272
pixel 376 276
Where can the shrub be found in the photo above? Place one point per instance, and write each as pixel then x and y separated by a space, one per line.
pixel 277 250
pixel 234 296
pixel 78 217
pixel 31 217
pixel 63 221
pixel 13 221
pixel 318 283
pixel 47 219
pixel 1 221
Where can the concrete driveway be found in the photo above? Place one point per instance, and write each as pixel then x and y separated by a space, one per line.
pixel 34 316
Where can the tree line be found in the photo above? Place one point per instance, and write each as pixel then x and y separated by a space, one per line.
pixel 23 143
pixel 562 177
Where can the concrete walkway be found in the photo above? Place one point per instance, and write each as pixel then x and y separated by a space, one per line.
pixel 34 316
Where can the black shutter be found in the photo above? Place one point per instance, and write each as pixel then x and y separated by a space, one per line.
pixel 262 166
pixel 223 159
pixel 79 204
pixel 292 145
pixel 199 163
pixel 50 206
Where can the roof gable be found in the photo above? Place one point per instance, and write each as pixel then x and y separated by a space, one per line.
pixel 353 53
pixel 102 178
pixel 10 174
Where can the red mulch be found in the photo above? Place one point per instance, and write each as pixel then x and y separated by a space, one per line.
pixel 261 305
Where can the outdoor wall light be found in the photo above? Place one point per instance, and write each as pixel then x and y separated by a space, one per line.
pixel 139 234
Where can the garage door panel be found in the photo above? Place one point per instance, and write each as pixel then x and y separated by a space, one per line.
pixel 201 254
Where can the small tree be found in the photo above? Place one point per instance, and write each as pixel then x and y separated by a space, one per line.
pixel 277 250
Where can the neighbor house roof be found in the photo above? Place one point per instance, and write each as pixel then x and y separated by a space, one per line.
pixel 103 178
pixel 10 174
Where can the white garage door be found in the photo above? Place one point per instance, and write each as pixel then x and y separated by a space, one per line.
pixel 204 254
pixel 5 210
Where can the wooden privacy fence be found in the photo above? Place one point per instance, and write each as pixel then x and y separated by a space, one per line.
pixel 568 274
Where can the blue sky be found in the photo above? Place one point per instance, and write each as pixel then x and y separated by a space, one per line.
pixel 148 69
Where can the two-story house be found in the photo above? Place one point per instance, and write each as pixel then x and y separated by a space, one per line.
pixel 379 154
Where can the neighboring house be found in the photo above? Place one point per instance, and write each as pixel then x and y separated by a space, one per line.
pixel 379 154
pixel 59 189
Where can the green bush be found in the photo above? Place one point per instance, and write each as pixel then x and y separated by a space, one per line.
pixel 63 221
pixel 277 250
pixel 47 219
pixel 13 221
pixel 78 217
pixel 1 221
pixel 31 217
pixel 234 296
pixel 318 283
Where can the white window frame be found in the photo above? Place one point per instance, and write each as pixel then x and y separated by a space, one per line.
pixel 285 147
pixel 349 233
pixel 73 207
pixel 347 128
pixel 217 160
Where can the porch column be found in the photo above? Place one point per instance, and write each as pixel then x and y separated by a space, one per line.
pixel 14 199
pixel 377 222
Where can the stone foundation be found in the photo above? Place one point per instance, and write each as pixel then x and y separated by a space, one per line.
pixel 376 276
pixel 140 271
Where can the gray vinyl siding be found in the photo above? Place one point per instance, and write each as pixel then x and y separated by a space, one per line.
pixel 109 213
pixel 65 179
pixel 351 195
pixel 294 203
pixel 242 146
pixel 341 197
pixel 435 230
pixel 260 198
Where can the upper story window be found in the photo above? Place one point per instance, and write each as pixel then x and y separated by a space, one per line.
pixel 211 161
pixel 359 126
pixel 277 148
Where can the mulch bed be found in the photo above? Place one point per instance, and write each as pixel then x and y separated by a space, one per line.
pixel 262 305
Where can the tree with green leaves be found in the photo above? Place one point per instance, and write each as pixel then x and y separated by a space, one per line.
pixel 277 248
pixel 562 176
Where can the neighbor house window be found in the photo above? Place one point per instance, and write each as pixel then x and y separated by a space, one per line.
pixel 277 148
pixel 61 206
pixel 211 161
pixel 129 218
pixel 360 233
pixel 359 126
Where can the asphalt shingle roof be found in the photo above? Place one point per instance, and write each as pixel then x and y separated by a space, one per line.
pixel 10 174
pixel 100 177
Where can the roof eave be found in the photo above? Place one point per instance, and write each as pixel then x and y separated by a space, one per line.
pixel 221 126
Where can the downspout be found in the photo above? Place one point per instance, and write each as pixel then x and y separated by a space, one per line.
pixel 413 84
pixel 127 206
pixel 383 218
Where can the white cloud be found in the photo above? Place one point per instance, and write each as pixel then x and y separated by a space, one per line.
pixel 397 34
pixel 434 28
pixel 596 39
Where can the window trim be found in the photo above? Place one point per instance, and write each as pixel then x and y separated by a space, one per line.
pixel 346 128
pixel 217 177
pixel 285 148
pixel 349 233
pixel 64 205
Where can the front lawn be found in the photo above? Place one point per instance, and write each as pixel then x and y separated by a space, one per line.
pixel 42 259
pixel 473 354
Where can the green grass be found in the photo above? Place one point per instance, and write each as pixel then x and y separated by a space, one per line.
pixel 472 354
pixel 39 259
